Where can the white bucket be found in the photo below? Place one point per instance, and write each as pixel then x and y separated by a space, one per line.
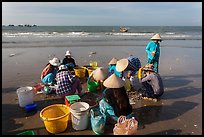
pixel 25 96
pixel 79 115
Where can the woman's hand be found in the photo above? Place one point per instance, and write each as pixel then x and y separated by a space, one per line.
pixel 153 52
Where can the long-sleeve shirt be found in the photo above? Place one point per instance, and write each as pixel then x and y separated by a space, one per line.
pixel 48 69
pixel 107 109
pixel 155 81
pixel 70 62
pixel 152 46
pixel 113 68
pixel 64 81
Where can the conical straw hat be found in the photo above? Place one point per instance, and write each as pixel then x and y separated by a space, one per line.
pixel 113 82
pixel 113 61
pixel 156 36
pixel 99 74
pixel 121 65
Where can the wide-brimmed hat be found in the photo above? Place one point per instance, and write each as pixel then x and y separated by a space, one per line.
pixel 68 53
pixel 55 61
pixel 156 36
pixel 62 67
pixel 99 74
pixel 113 82
pixel 113 61
pixel 121 65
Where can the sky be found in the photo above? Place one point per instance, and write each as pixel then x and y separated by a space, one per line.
pixel 102 13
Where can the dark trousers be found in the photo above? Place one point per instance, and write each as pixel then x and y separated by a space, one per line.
pixel 147 90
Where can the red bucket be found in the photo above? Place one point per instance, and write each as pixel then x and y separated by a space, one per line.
pixel 38 87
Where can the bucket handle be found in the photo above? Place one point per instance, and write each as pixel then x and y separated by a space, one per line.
pixel 92 113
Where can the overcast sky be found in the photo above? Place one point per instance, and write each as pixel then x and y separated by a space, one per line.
pixel 103 13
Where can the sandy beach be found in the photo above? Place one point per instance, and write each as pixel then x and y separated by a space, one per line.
pixel 178 112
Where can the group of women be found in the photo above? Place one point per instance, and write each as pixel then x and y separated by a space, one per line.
pixel 115 100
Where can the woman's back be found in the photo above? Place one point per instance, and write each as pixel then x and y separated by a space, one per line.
pixel 120 102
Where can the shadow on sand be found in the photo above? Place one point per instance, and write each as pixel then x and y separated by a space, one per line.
pixel 150 114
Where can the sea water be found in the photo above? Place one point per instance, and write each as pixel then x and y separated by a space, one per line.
pixel 65 36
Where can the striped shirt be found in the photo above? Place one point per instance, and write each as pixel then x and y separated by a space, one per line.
pixel 64 81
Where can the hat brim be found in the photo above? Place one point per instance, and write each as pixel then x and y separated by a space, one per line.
pixel 67 54
pixel 113 61
pixel 113 82
pixel 54 64
pixel 147 69
pixel 121 65
pixel 99 74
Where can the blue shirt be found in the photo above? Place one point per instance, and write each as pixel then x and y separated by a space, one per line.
pixel 113 68
pixel 152 46
pixel 107 109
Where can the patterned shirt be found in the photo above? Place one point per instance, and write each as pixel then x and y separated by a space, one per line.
pixel 133 65
pixel 64 81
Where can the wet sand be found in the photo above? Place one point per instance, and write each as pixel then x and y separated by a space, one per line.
pixel 178 112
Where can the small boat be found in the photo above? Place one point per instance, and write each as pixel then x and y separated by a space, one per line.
pixel 122 29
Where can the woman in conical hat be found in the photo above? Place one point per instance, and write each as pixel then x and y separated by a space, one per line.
pixel 128 68
pixel 153 51
pixel 98 75
pixel 115 101
pixel 152 85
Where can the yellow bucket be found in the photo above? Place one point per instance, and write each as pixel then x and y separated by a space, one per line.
pixel 94 64
pixel 90 70
pixel 55 117
pixel 80 72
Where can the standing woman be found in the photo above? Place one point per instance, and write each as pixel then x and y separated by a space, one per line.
pixel 153 51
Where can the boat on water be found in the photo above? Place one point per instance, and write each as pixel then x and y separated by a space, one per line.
pixel 122 29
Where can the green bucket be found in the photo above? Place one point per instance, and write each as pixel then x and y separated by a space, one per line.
pixel 28 132
pixel 92 85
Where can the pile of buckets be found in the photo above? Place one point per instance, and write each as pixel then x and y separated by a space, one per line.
pixel 56 117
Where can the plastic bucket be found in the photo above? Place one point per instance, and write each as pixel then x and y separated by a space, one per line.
pixel 80 72
pixel 90 70
pixel 55 117
pixel 25 96
pixel 79 115
pixel 92 85
pixel 28 132
pixel 94 64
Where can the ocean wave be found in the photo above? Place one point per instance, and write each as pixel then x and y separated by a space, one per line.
pixel 73 34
